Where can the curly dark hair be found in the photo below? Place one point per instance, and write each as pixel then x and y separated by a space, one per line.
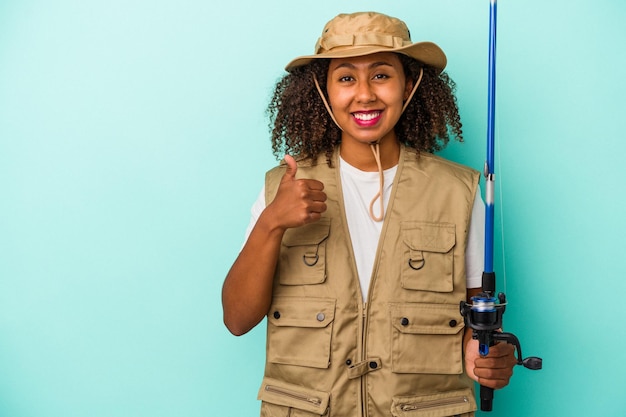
pixel 300 124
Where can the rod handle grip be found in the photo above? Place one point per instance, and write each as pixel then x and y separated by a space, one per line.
pixel 486 398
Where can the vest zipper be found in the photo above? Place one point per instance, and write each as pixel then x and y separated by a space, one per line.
pixel 424 405
pixel 294 395
pixel 364 324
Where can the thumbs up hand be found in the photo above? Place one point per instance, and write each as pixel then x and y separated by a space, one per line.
pixel 298 201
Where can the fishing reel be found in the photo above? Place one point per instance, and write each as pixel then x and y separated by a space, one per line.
pixel 484 317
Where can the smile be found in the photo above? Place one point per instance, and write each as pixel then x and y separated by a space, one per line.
pixel 366 117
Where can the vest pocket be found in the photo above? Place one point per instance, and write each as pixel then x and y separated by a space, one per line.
pixel 428 256
pixel 303 254
pixel 281 399
pixel 453 403
pixel 299 331
pixel 426 339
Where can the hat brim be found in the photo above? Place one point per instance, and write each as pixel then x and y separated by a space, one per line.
pixel 425 52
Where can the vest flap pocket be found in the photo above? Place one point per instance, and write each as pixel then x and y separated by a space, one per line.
pixel 309 234
pixel 428 257
pixel 294 396
pixel 429 237
pixel 427 319
pixel 299 331
pixel 452 403
pixel 302 258
pixel 302 312
pixel 426 338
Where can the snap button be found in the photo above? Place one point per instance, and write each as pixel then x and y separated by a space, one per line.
pixel 321 316
pixel 373 365
pixel 276 315
pixel 404 321
pixel 349 362
pixel 452 323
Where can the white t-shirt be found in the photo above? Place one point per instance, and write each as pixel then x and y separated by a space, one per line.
pixel 359 188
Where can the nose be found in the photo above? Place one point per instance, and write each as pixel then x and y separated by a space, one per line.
pixel 365 93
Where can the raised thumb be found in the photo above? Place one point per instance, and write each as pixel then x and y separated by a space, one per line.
pixel 292 167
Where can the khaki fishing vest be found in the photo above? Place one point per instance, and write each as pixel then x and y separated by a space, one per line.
pixel 399 353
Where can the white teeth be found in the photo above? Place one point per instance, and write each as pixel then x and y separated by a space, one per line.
pixel 366 116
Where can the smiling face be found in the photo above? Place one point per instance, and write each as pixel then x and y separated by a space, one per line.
pixel 366 95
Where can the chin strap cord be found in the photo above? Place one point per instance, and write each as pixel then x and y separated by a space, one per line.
pixel 330 111
pixel 375 147
pixel 417 83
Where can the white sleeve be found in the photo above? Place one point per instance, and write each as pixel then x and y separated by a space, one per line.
pixel 475 251
pixel 255 212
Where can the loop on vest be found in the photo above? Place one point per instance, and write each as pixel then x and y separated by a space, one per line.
pixel 417 263
pixel 311 259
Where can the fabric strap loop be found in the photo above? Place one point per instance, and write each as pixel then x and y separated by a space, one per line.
pixel 369 365
pixel 337 42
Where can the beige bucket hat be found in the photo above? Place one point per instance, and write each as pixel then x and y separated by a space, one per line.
pixel 364 33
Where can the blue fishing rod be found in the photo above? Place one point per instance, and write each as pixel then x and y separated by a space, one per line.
pixel 484 314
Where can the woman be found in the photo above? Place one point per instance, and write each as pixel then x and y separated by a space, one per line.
pixel 362 246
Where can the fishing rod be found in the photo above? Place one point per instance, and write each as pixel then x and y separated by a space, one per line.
pixel 484 314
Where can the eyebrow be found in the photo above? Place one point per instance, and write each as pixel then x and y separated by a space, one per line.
pixel 372 65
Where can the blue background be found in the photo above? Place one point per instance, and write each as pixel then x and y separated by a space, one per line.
pixel 133 142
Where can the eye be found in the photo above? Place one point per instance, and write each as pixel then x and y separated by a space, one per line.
pixel 345 79
pixel 380 76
